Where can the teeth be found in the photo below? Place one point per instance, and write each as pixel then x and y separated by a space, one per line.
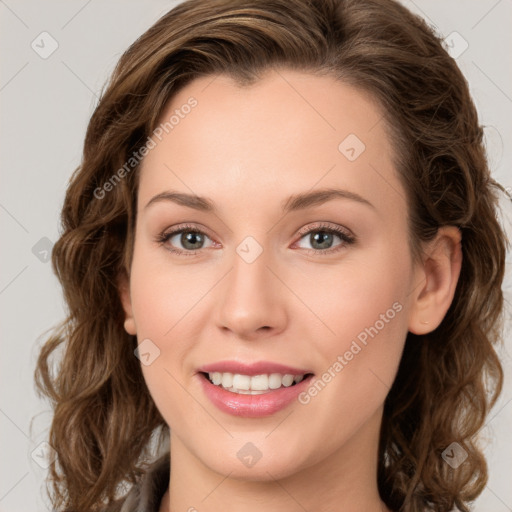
pixel 275 381
pixel 287 380
pixel 259 382
pixel 253 385
pixel 241 381
pixel 227 380
pixel 216 377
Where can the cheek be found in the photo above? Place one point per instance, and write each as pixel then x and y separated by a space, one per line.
pixel 157 314
pixel 367 290
pixel 163 293
pixel 363 312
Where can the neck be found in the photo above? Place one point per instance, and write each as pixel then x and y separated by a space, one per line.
pixel 345 480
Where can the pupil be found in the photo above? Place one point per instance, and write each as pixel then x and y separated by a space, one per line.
pixel 190 238
pixel 322 235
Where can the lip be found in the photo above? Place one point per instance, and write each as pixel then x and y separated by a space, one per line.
pixel 251 369
pixel 252 406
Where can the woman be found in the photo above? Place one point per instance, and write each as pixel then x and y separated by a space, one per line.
pixel 283 269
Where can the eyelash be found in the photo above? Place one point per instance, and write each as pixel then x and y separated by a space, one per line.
pixel 346 238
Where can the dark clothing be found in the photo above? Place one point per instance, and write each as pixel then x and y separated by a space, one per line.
pixel 147 495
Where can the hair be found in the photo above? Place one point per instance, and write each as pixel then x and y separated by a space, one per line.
pixel 104 417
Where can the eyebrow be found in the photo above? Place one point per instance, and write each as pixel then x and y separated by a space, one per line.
pixel 295 202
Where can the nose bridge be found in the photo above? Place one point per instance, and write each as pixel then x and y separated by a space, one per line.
pixel 250 299
pixel 249 279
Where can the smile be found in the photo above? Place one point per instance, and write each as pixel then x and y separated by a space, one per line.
pixel 252 390
pixel 253 385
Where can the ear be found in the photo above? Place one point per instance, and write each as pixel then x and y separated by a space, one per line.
pixel 438 274
pixel 123 286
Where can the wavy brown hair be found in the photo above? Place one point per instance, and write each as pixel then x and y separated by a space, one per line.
pixel 104 417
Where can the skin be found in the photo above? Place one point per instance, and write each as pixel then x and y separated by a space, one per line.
pixel 248 149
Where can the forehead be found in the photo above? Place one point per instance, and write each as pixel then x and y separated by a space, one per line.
pixel 284 134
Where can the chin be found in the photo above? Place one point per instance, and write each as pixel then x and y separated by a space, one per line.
pixel 255 461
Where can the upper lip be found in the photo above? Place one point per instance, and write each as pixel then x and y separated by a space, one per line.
pixel 257 368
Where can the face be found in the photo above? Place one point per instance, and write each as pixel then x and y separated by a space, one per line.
pixel 296 262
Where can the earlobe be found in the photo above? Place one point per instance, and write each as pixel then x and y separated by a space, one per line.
pixel 129 326
pixel 439 274
pixel 124 294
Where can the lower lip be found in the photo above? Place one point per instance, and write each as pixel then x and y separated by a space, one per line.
pixel 252 406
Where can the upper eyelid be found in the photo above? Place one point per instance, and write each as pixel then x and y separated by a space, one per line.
pixel 328 226
pixel 316 226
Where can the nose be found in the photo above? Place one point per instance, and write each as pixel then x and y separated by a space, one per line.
pixel 251 302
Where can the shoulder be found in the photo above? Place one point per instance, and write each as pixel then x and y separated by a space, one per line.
pixel 146 495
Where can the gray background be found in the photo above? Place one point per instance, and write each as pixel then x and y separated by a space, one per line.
pixel 45 106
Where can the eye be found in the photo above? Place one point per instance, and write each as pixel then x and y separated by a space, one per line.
pixel 187 240
pixel 184 240
pixel 322 237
